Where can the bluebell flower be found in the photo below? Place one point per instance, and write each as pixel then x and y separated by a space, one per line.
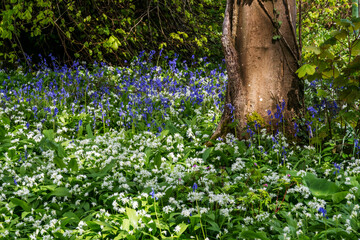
pixel 323 211
pixel 194 187
pixel 338 167
pixel 15 182
pixel 56 111
pixel 296 127
pixel 313 111
pixel 153 194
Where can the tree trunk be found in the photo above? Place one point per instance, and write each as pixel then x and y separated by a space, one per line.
pixel 261 57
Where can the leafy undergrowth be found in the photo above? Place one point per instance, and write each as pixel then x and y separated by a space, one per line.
pixel 118 153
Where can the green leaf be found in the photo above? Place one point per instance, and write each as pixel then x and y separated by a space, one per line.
pixel 206 153
pixel 61 192
pixel 126 225
pixel 89 131
pixel 344 23
pixel 133 218
pixel 59 162
pixel 183 227
pixel 49 134
pixel 73 165
pixel 164 133
pixel 320 187
pixel 340 35
pixel 356 47
pixel 338 197
pixel 247 234
pixel 21 203
pixel 171 127
pixel 333 73
pixel 214 226
pixel 306 69
pixel 322 93
pixel 157 160
pixel 313 49
pixel 22 170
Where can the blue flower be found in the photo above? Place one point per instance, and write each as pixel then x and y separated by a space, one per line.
pixel 323 211
pixel 194 187
pixel 15 181
pixel 56 111
pixel 313 111
pixel 338 167
pixel 153 194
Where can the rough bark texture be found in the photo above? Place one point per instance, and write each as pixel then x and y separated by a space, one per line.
pixel 261 71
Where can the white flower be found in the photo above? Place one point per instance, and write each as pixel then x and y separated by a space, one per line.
pixel 177 229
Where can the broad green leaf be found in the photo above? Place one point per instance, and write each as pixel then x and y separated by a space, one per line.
pixel 157 160
pixel 22 170
pixel 334 73
pixel 321 93
pixel 126 224
pixel 306 69
pixel 73 165
pixel 320 187
pixel 340 35
pixel 354 182
pixel 356 47
pixel 253 235
pixel 327 54
pixel 59 162
pixel 24 214
pixel 206 153
pixel 133 218
pixel 350 95
pixel 89 131
pixel 344 22
pixel 48 187
pixel 93 225
pixel 49 134
pixel 214 226
pixel 183 227
pixel 164 133
pixel 333 232
pixel 21 203
pixel 171 127
pixel 338 197
pixel 61 192
pixel 313 49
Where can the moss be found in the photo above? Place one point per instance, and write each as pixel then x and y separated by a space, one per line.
pixel 254 116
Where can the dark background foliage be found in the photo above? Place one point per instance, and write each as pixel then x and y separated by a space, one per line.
pixel 109 30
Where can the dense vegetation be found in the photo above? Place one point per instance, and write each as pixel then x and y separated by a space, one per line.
pixel 94 151
pixel 109 30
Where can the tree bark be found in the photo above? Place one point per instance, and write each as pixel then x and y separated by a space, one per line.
pixel 261 70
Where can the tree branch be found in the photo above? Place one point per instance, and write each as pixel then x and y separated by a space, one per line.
pixel 289 17
pixel 281 35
